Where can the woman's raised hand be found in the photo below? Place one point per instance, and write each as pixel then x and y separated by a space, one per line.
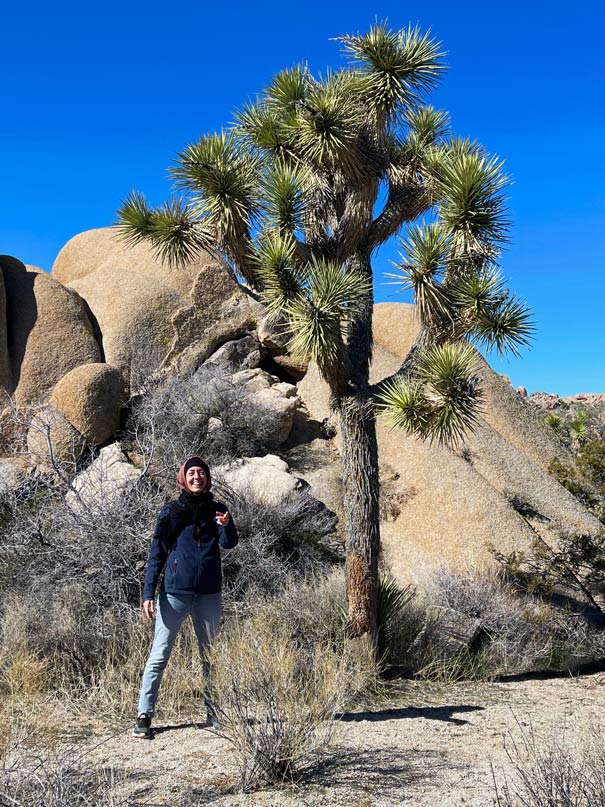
pixel 222 518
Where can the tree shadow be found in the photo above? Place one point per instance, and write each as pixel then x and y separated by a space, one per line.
pixel 442 713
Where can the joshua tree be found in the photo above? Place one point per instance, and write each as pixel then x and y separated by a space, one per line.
pixel 289 197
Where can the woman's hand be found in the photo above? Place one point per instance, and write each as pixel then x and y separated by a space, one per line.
pixel 149 610
pixel 222 518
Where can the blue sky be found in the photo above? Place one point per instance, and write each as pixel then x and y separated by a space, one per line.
pixel 96 100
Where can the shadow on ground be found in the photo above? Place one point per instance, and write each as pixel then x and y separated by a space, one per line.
pixel 383 772
pixel 444 713
pixel 178 727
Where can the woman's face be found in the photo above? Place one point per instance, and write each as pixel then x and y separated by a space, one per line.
pixel 196 479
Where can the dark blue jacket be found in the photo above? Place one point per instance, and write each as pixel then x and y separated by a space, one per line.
pixel 193 565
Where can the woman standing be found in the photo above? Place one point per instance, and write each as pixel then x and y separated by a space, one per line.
pixel 188 537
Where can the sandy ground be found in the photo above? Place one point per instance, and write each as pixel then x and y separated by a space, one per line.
pixel 439 751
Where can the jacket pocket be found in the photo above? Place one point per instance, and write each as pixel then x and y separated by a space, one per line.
pixel 181 577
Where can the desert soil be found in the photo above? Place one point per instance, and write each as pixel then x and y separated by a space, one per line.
pixel 438 748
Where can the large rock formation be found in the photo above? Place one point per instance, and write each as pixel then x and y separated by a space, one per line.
pixel 452 507
pixel 266 479
pixel 147 312
pixel 48 332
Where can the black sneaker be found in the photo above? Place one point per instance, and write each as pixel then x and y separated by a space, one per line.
pixel 142 728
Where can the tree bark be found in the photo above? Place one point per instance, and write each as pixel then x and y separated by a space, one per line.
pixel 362 528
pixel 360 471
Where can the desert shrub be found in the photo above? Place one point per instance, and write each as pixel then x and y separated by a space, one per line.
pixel 43 781
pixel 554 771
pixel 520 632
pixel 313 610
pixel 579 486
pixel 71 580
pixel 275 697
pixel 202 413
pixel 577 564
pixel 278 540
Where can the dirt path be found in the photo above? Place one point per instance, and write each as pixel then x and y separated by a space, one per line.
pixel 438 753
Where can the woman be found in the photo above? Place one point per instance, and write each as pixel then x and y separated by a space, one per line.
pixel 186 543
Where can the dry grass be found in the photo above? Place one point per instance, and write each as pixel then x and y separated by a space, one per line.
pixel 275 698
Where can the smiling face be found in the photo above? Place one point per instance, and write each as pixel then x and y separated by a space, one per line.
pixel 196 479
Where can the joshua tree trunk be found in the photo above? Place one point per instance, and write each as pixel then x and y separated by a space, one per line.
pixel 360 469
pixel 362 530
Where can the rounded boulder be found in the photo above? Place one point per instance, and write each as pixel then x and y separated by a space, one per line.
pixel 90 398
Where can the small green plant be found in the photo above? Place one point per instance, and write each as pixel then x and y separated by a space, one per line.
pixel 578 485
pixel 577 563
pixel 554 421
pixel 392 600
pixel 578 427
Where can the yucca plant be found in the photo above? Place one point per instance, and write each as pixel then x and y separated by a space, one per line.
pixel 578 427
pixel 297 196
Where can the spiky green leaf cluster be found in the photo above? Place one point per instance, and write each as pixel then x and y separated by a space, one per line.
pixel 172 229
pixel 424 256
pixel 441 402
pixel 472 203
pixel 222 179
pixel 427 128
pixel 392 599
pixel 327 130
pixel 330 297
pixel 279 273
pixel 399 67
pixel 494 317
pixel 283 194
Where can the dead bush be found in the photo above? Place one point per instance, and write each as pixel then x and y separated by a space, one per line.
pixel 33 781
pixel 554 771
pixel 519 632
pixel 278 541
pixel 202 413
pixel 70 581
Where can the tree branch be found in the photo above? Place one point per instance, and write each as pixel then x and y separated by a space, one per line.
pixel 404 203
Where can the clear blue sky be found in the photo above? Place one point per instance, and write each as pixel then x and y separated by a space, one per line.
pixel 97 99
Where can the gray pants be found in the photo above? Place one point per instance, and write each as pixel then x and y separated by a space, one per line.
pixel 171 612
